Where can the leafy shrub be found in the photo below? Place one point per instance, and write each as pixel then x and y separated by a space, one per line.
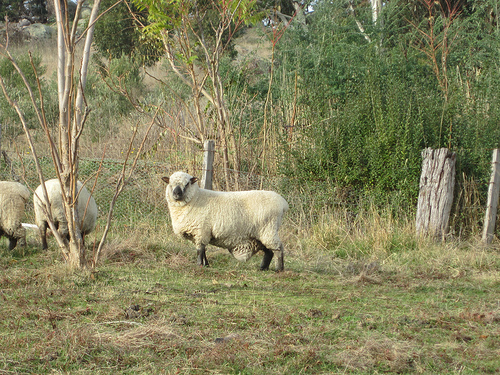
pixel 107 88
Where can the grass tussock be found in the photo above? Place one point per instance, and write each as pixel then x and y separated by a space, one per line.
pixel 372 240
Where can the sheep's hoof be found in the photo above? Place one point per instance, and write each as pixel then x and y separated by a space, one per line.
pixel 203 263
pixel 202 258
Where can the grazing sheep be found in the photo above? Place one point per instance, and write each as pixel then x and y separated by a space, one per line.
pixel 57 208
pixel 243 222
pixel 13 197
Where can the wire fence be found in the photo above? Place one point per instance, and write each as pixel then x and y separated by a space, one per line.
pixel 143 195
pixel 143 199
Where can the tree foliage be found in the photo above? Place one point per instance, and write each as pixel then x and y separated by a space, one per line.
pixel 119 34
pixel 17 91
pixel 14 10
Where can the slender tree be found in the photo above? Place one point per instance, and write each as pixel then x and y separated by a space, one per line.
pixel 73 111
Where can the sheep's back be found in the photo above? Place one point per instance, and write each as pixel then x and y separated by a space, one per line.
pixel 11 188
pixel 55 198
pixel 234 218
pixel 13 197
pixel 56 204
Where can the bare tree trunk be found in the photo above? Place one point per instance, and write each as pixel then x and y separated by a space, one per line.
pixel 376 9
pixel 72 115
pixel 435 198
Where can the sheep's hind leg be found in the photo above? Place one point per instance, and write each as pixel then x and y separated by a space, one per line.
pixel 266 261
pixel 12 243
pixel 280 263
pixel 43 235
pixel 202 256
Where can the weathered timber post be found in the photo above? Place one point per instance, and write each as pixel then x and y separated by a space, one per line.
pixel 435 197
pixel 492 205
pixel 208 164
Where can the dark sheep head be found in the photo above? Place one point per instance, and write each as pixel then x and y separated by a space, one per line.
pixel 179 184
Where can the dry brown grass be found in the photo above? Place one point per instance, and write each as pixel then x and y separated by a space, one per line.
pixel 368 353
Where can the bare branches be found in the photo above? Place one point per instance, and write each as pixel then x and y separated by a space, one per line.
pixel 122 182
pixel 29 138
pixel 73 113
pixel 359 24
pixel 436 40
pixel 195 59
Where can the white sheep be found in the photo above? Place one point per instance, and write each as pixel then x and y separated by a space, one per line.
pixel 13 198
pixel 243 222
pixel 87 213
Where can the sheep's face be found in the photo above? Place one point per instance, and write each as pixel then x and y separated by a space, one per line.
pixel 181 188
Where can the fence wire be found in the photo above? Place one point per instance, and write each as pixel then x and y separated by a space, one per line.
pixel 143 199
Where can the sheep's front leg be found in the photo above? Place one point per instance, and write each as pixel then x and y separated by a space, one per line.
pixel 18 238
pixel 202 256
pixel 43 235
pixel 266 261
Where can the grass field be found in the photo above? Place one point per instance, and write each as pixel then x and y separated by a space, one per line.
pixel 149 309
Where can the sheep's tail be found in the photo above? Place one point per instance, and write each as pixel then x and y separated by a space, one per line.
pixel 29 226
pixel 286 206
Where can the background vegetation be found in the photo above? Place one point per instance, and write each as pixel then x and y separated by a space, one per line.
pixel 336 124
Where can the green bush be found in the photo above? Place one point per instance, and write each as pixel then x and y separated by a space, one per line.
pixel 18 93
pixel 108 85
pixel 366 110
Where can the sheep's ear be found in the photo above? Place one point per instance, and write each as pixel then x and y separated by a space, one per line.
pixel 166 179
pixel 193 180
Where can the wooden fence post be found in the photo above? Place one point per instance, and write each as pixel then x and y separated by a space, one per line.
pixel 208 164
pixel 435 197
pixel 493 191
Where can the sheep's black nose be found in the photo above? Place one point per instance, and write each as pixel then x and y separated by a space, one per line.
pixel 177 193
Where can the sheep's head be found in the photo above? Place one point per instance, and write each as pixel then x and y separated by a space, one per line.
pixel 181 188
